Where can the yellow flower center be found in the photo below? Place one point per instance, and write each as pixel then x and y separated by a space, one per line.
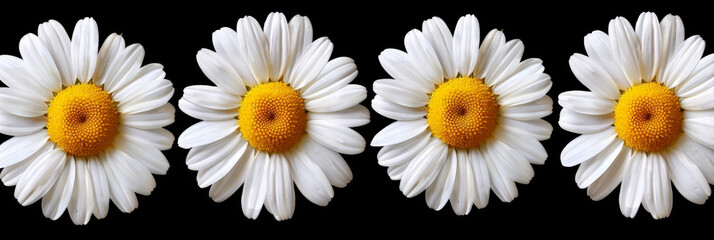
pixel 648 117
pixel 82 119
pixel 272 117
pixel 462 112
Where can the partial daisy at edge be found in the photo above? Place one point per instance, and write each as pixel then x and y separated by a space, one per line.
pixel 468 115
pixel 647 118
pixel 280 113
pixel 86 122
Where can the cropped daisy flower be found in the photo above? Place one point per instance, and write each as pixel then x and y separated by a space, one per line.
pixel 468 118
pixel 86 122
pixel 281 112
pixel 647 118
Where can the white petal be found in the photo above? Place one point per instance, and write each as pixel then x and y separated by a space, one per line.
pixel 341 99
pixel 701 78
pixel 466 44
pixel 101 187
pixel 211 97
pixel 220 72
pixel 206 132
pixel 149 77
pixel 354 116
pixel 503 186
pixel 335 137
pixel 539 128
pixel 593 168
pixel 403 153
pixel 310 63
pixel 400 93
pixel 510 161
pixel 586 146
pixel 700 155
pixel 594 77
pixel 439 192
pixel 612 177
pixel 212 174
pixel 256 186
pixel 597 45
pixel 146 155
pixel 224 188
pixel 310 180
pixel 584 123
pixel 699 129
pixel 256 47
pixel 423 57
pixel 14 125
pixel 422 171
pixel 527 71
pixel 278 35
pixel 228 46
pixel 701 101
pixel 204 113
pixel 280 199
pixel 626 45
pixel 402 67
pixel 39 176
pixel 56 200
pixel 396 111
pixel 39 63
pixel 81 205
pixel 20 103
pixel 672 36
pixel 149 100
pixel 130 172
pixel 462 198
pixel 528 146
pixel 300 36
pixel 159 138
pixel 688 179
pixel 531 89
pixel 482 181
pixel 85 43
pixel 205 156
pixel 19 148
pixel 124 68
pixel 683 60
pixel 648 31
pixel 586 103
pixel 504 62
pixel 123 197
pixel 10 175
pixel 14 75
pixel 337 73
pixel 529 111
pixel 112 46
pixel 398 132
pixel 491 43
pixel 441 40
pixel 658 191
pixel 57 41
pixel 633 184
pixel 332 164
pixel 157 118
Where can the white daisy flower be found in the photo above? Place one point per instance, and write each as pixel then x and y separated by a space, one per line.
pixel 468 118
pixel 281 112
pixel 647 118
pixel 86 122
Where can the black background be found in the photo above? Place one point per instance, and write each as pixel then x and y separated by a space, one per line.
pixel 371 205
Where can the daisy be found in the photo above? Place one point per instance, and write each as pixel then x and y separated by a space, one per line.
pixel 468 117
pixel 86 122
pixel 647 118
pixel 281 112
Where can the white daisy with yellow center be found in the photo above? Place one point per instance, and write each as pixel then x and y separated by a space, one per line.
pixel 281 112
pixel 647 118
pixel 468 117
pixel 87 123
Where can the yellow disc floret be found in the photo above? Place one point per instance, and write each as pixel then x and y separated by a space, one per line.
pixel 648 117
pixel 462 112
pixel 82 119
pixel 272 117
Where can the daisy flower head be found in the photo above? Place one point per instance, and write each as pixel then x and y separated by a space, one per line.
pixel 86 122
pixel 468 115
pixel 281 112
pixel 647 119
